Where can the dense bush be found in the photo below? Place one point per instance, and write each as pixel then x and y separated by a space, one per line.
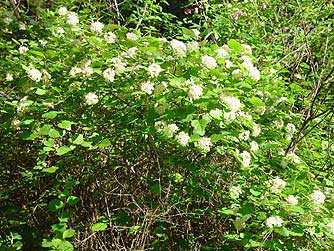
pixel 113 139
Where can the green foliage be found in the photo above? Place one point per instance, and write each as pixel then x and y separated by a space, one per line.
pixel 173 144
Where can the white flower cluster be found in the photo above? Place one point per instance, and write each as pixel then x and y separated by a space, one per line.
pixel 171 129
pixel 245 158
pixel 91 98
pixel 132 36
pixel 23 49
pixel 274 221
pixel 195 92
pixel 72 18
pixel 318 197
pixel 192 46
pixel 109 75
pixel 253 72
pixel 182 138
pixel 147 87
pixel 9 77
pixel 330 226
pixel 179 48
pixel 231 102
pixel 85 69
pixel 235 192
pixel 96 27
pixel 244 136
pixel 256 130
pixel 209 62
pixel 35 75
pixel 62 11
pixel 60 30
pixel 292 200
pixel 237 74
pixel 276 185
pixel 154 70
pixel 254 147
pixel 290 128
pixel 119 64
pixel 204 144
pixel 110 37
pixel 223 51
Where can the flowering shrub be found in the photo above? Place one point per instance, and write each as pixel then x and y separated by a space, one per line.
pixel 201 127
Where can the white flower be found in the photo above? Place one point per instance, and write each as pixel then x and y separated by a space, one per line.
pixel 256 130
pixel 195 92
pixel 192 46
pixel 23 49
pixel 86 69
pixel 294 157
pixel 46 75
pixel 254 74
pixel 274 221
pixel 229 116
pixel 237 74
pixel 74 71
pixel 7 20
pixel 110 37
pixel 330 226
pixel 109 75
pixel 119 64
pixel 16 124
pixel 235 192
pixel 204 144
pixel 291 128
pixel 246 48
pixel 247 59
pixel 279 124
pixel 277 184
pixel 132 51
pixel 154 70
pixel 228 64
pixel 159 126
pixel 171 129
pixel 182 138
pixel 179 48
pixel 147 87
pixel 9 77
pixel 254 146
pixel 196 32
pixel 209 62
pixel 22 26
pixel 292 200
pixel 72 18
pixel 60 30
pixel 35 75
pixel 221 53
pixel 62 11
pixel 231 102
pixel 244 136
pixel 91 98
pixel 132 36
pixel 318 197
pixel 246 158
pixel 42 42
pixel 96 27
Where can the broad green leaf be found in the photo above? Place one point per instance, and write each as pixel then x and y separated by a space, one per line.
pixel 41 91
pixel 105 143
pixel 63 150
pixel 72 200
pixel 54 133
pixel 44 130
pixel 65 124
pixel 55 205
pixel 234 45
pixel 216 113
pixel 134 229
pixel 68 233
pixel 50 115
pixel 255 193
pixel 79 140
pixel 51 169
pixel 99 227
pixel 199 126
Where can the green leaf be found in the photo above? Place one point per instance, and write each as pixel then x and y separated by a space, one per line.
pixel 216 114
pixel 255 193
pixel 37 53
pixel 226 211
pixel 296 209
pixel 49 142
pixel 44 130
pixel 79 140
pixel 134 229
pixel 41 91
pixel 199 126
pixel 63 150
pixel 99 227
pixel 256 101
pixel 51 169
pixel 50 115
pixel 68 233
pixel 55 205
pixel 234 45
pixel 65 216
pixel 65 124
pixel 29 136
pixel 54 133
pixel 105 143
pixel 72 200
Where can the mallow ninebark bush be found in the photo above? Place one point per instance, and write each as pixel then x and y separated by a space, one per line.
pixel 120 140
